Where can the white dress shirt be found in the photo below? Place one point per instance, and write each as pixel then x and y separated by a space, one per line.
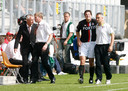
pixel 29 28
pixel 43 32
pixel 10 51
pixel 103 34
pixel 64 29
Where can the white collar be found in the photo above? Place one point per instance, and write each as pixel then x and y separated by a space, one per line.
pixel 28 25
pixel 41 22
pixel 67 22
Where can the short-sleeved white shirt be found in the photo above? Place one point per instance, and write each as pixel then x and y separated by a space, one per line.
pixel 10 51
pixel 43 32
pixel 3 46
pixel 64 29
pixel 103 34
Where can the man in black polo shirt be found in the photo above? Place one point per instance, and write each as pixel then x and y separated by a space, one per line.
pixel 86 43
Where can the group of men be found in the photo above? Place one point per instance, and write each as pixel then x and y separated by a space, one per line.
pixel 95 41
pixel 35 40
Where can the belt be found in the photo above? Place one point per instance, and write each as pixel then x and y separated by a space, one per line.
pixel 102 44
pixel 63 38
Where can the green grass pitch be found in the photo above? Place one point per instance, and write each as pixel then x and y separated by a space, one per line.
pixel 119 82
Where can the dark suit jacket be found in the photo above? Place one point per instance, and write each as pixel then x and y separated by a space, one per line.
pixel 27 38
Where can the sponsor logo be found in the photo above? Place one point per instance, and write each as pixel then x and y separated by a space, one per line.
pixel 89 28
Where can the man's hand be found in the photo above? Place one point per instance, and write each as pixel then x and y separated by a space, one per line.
pixel 79 43
pixel 44 47
pixel 110 48
pixel 15 50
pixel 65 42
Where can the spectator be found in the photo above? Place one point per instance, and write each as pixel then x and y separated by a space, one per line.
pixel 8 38
pixel 104 45
pixel 66 39
pixel 15 58
pixel 55 64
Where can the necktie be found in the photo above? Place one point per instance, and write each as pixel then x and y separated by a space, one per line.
pixel 36 29
pixel 29 29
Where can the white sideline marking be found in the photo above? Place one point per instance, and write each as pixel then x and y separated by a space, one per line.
pixel 103 85
pixel 117 89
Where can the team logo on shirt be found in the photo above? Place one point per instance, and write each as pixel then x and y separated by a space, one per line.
pixel 89 27
pixel 92 24
pixel 85 25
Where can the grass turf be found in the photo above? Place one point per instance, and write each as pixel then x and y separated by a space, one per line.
pixel 70 83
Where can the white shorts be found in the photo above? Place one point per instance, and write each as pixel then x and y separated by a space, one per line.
pixel 87 49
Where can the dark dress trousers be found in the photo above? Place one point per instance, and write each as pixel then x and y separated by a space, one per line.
pixel 27 45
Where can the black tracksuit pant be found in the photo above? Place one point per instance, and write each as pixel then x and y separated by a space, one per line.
pixel 102 58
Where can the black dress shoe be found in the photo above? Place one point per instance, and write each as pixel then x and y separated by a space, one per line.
pixel 33 81
pixel 53 81
pixel 20 81
pixel 39 80
pixel 43 79
pixel 25 82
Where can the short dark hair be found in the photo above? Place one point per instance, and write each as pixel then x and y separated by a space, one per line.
pixel 88 11
pixel 99 13
pixel 67 13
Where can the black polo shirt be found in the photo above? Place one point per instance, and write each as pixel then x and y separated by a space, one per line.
pixel 88 30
